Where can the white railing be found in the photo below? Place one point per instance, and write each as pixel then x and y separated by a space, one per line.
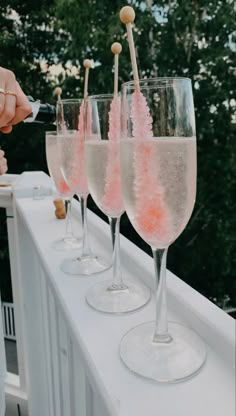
pixel 70 354
pixel 2 370
pixel 15 385
pixel 8 320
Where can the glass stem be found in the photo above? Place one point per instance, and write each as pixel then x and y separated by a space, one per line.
pixel 68 231
pixel 161 334
pixel 86 250
pixel 113 231
pixel 117 283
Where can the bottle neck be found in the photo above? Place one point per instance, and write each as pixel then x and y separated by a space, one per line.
pixel 41 113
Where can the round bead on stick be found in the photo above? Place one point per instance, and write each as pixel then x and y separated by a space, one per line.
pixel 127 16
pixel 87 63
pixel 58 92
pixel 116 48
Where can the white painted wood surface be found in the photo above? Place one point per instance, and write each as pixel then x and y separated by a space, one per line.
pixel 3 371
pixel 71 351
pixel 15 386
pixel 74 365
pixel 8 321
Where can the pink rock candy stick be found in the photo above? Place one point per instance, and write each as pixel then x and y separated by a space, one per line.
pixel 152 216
pixel 83 185
pixel 112 199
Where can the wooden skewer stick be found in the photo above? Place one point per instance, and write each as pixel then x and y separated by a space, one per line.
pixel 127 16
pixel 87 64
pixel 60 115
pixel 116 48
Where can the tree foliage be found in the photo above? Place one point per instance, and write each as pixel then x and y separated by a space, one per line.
pixel 192 38
pixel 180 38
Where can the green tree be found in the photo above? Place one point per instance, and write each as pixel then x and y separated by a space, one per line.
pixel 27 36
pixel 173 38
pixel 179 38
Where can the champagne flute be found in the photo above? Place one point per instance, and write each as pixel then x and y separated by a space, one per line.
pixel 69 241
pixel 70 126
pixel 158 171
pixel 103 174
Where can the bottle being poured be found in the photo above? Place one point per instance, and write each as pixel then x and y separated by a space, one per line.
pixel 41 112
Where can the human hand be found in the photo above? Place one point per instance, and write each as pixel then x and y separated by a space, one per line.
pixel 3 163
pixel 14 105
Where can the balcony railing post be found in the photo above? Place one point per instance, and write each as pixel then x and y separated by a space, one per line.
pixel 2 369
pixel 17 296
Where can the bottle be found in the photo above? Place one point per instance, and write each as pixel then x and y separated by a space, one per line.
pixel 41 113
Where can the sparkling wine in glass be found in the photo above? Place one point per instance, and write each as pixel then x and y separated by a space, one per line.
pixel 102 157
pixel 69 241
pixel 158 171
pixel 71 130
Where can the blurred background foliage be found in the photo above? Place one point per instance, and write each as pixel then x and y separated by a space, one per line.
pixel 45 41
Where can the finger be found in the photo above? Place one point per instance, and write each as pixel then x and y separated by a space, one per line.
pixel 8 112
pixel 3 169
pixel 3 76
pixel 2 99
pixel 3 166
pixel 23 107
pixel 6 129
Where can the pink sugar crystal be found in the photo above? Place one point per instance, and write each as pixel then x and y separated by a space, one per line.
pixel 152 216
pixel 114 120
pixel 62 186
pixel 81 120
pixel 141 117
pixel 112 200
pixel 80 168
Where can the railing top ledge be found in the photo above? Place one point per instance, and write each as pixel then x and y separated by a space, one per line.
pixel 98 335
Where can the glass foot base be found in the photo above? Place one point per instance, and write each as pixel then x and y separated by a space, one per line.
pixel 104 298
pixel 86 265
pixel 67 244
pixel 172 362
